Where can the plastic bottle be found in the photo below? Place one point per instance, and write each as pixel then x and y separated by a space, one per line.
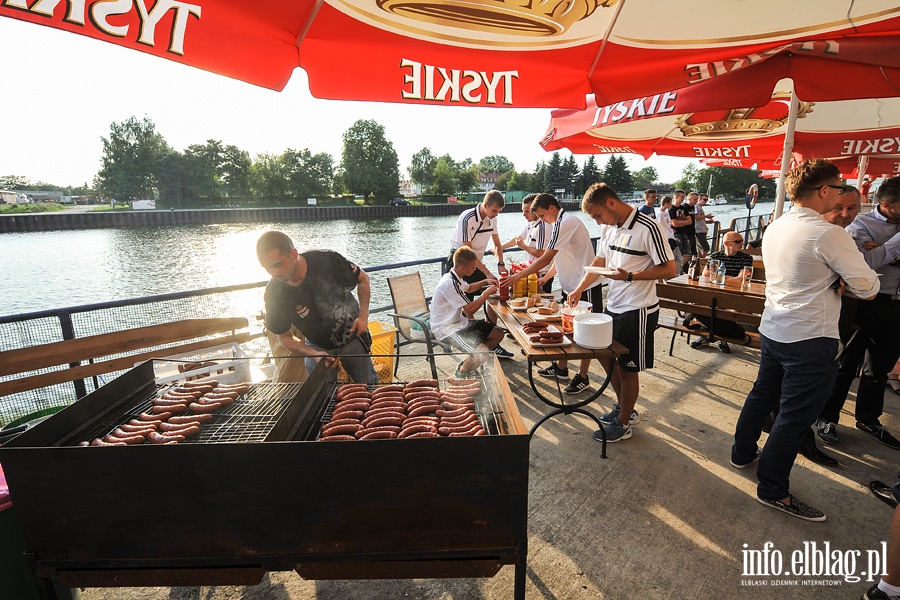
pixel 520 288
pixel 720 276
pixel 504 289
pixel 532 284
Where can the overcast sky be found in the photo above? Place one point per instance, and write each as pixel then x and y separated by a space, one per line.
pixel 62 91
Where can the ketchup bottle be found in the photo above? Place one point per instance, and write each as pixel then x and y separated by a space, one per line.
pixel 504 289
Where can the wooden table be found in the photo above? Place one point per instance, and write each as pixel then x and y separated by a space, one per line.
pixel 757 289
pixel 512 320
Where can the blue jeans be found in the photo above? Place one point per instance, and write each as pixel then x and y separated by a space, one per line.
pixel 355 359
pixel 796 378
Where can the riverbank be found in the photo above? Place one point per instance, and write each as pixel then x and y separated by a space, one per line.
pixel 72 220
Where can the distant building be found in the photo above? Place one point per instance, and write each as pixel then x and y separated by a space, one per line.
pixel 488 181
pixel 409 189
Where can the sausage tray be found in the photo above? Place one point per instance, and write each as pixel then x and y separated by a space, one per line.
pixel 226 511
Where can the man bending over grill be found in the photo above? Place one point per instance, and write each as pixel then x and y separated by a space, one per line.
pixel 452 312
pixel 313 292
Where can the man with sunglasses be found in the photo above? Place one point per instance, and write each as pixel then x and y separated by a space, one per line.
pixel 734 261
pixel 804 255
pixel 875 344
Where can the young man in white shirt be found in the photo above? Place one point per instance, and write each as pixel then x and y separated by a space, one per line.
pixel 804 256
pixel 474 228
pixel 571 250
pixel 533 239
pixel 634 245
pixel 452 312
pixel 665 221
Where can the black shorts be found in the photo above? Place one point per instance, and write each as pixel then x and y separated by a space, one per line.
pixel 634 330
pixel 469 337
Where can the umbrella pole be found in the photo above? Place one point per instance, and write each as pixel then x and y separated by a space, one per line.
pixel 786 153
pixel 861 172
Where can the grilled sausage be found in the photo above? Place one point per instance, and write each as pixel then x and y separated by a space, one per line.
pixel 191 419
pixel 378 435
pixel 219 395
pixel 173 427
pixel 422 383
pixel 336 422
pixel 184 431
pixel 408 431
pixel 224 400
pixel 130 440
pixel 395 429
pixel 453 413
pixel 454 405
pixel 121 432
pixel 387 404
pixel 198 384
pixel 423 434
pixel 337 438
pixel 240 389
pixel 168 409
pixel 423 409
pixel 155 416
pixel 465 421
pixel 387 414
pixel 347 414
pixel 158 438
pixel 348 388
pixel 130 427
pixel 99 442
pixel 426 419
pixel 347 429
pixel 205 408
pixel 462 430
pixel 423 402
pixel 393 420
pixel 387 389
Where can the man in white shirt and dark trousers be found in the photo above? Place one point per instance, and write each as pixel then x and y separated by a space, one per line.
pixel 804 256
pixel 634 245
pixel 533 240
pixel 474 228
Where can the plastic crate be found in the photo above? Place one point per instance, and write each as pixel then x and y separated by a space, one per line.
pixel 383 338
pixel 232 365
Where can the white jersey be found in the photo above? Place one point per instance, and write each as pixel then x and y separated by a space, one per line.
pixel 639 244
pixel 537 235
pixel 473 231
pixel 571 240
pixel 665 221
pixel 449 298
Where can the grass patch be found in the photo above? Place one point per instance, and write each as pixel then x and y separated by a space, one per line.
pixel 19 209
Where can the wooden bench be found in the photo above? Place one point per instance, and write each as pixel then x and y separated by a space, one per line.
pixel 99 354
pixel 742 309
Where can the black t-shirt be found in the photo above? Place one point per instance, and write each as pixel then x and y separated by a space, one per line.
pixel 733 264
pixel 323 307
pixel 680 212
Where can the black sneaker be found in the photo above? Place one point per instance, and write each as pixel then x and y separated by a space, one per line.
pixel 577 385
pixel 502 352
pixel 554 372
pixel 827 431
pixel 724 347
pixel 875 594
pixel 883 492
pixel 881 434
pixel 700 342
pixel 796 508
pixel 755 458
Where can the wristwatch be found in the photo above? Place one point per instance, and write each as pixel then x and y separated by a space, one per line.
pixel 500 263
pixel 630 277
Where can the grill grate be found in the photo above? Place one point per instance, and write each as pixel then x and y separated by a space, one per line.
pixel 250 419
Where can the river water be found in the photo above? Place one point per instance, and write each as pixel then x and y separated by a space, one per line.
pixel 48 270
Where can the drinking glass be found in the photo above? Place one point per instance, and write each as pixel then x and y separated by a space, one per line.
pixel 746 276
pixel 713 266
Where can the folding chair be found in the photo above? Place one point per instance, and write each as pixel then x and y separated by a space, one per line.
pixel 411 306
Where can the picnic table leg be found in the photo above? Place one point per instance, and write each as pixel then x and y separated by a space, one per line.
pixel 562 408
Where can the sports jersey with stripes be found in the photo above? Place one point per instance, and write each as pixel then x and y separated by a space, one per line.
pixel 536 235
pixel 473 231
pixel 639 244
pixel 446 305
pixel 572 242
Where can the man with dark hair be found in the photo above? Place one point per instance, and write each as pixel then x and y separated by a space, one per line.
pixel 649 203
pixel 804 256
pixel 313 292
pixel 570 249
pixel 876 343
pixel 682 215
pixel 701 223
pixel 533 239
pixel 635 246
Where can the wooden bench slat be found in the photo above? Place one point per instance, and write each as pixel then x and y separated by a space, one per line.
pixel 122 363
pixel 94 346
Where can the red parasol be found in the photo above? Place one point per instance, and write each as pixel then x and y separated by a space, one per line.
pixel 508 52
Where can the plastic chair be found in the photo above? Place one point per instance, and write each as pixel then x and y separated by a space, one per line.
pixel 411 306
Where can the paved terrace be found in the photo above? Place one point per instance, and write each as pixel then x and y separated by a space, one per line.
pixel 665 516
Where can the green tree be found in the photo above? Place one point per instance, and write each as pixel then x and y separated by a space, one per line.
pixel 645 178
pixel 513 180
pixel 371 167
pixel 539 179
pixel 234 172
pixel 270 177
pixel 554 175
pixel 617 175
pixel 176 181
pixel 308 174
pixel 495 164
pixel 444 183
pixel 204 162
pixel 733 182
pixel 571 172
pixel 590 175
pixel 690 176
pixel 421 168
pixel 14 182
pixel 466 176
pixel 131 159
